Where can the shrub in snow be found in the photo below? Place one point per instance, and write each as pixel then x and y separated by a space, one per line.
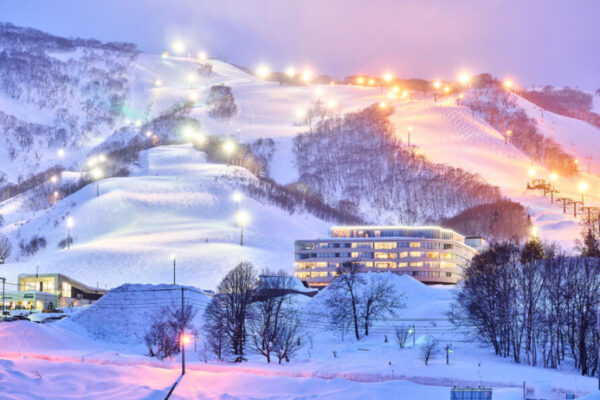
pixel 221 102
pixel 35 243
pixel 205 69
pixel 162 338
pixel 66 242
pixel 402 333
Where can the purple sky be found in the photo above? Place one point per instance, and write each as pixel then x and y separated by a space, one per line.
pixel 535 42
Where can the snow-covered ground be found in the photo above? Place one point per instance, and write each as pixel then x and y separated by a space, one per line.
pixel 68 359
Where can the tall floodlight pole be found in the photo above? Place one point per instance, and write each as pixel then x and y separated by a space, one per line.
pixel 70 224
pixel 174 266
pixel 3 283
pixel 242 218
pixel 236 197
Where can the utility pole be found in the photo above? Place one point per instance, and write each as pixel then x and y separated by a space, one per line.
pixel 447 354
pixel 3 283
pixel 414 334
pixel 174 268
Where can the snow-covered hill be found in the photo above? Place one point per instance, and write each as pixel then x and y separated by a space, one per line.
pixel 173 204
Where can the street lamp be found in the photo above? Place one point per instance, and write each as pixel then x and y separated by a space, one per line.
pixel 97 174
pixel 70 224
pixel 183 340
pixel 507 135
pixel 174 266
pixel 263 72
pixel 464 78
pixel 531 172
pixel 236 197
pixel 360 80
pixel 436 85
pixel 307 75
pixel 202 56
pixel 583 187
pixel 178 47
pixel 290 72
pixel 191 79
pixel 410 129
pixel 54 179
pixel 388 77
pixel 242 219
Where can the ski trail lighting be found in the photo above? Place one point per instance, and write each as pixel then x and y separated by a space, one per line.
pixel 464 78
pixel 164 55
pixel 360 80
pixel 437 84
pixel 388 77
pixel 531 172
pixel 148 133
pixel 508 84
pixel 263 72
pixel 319 92
pixel 396 89
pixel 178 47
pixel 97 174
pixel 70 223
pixel 331 104
pixel 534 231
pixel 202 56
pixel 60 153
pixel 237 198
pixel 307 75
pixel 507 136
pixel 382 104
pixel 229 149
pixel 447 89
pixel 583 187
pixel 183 340
pixel 53 179
pixel 193 97
pixel 371 82
pixel 300 113
pixel 290 72
pixel 157 83
pixel 242 219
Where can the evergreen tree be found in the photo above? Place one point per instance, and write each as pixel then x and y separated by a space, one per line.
pixel 590 247
pixel 533 250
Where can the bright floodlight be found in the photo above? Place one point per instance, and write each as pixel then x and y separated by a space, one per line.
pixel 193 96
pixel 92 161
pixel 148 133
pixel 157 82
pixel 382 104
pixel 396 89
pixel 437 84
pixel 391 95
pixel 263 72
pixel 583 186
pixel 388 77
pixel 191 78
pixel 172 256
pixel 319 92
pixel 178 47
pixel 331 103
pixel 236 196
pixel 101 158
pixel 70 222
pixel 447 89
pixel 202 56
pixel 60 153
pixel 229 147
pixel 553 176
pixel 97 173
pixel 360 80
pixel 242 218
pixel 307 75
pixel 300 113
pixel 534 231
pixel 53 179
pixel 531 171
pixel 508 84
pixel 164 55
pixel 138 122
pixel 290 72
pixel 371 82
pixel 464 78
pixel 410 128
pixel 185 339
pixel 405 94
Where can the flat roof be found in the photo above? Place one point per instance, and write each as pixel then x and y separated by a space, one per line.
pixel 58 274
pixel 364 227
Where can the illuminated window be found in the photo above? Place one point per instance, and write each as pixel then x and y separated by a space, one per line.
pixel 383 256
pixel 415 244
pixel 404 254
pixel 322 274
pixel 385 265
pixel 321 264
pixel 402 265
pixel 417 264
pixel 416 254
pixel 354 255
pixel 446 255
pixel 66 289
pixel 385 245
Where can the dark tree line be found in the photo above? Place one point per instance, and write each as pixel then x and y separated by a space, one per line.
pixel 358 159
pixel 501 221
pixel 533 304
pixel 502 112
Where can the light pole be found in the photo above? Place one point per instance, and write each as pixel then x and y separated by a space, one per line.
pixel 174 266
pixel 70 224
pixel 583 187
pixel 97 174
pixel 236 197
pixel 553 178
pixel 507 135
pixel 3 283
pixel 242 218
pixel 183 340
pixel 229 148
pixel 410 129
pixel 436 86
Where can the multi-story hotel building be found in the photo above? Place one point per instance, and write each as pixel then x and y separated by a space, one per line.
pixel 430 254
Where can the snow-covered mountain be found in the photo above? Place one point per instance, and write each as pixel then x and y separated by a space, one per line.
pixel 82 96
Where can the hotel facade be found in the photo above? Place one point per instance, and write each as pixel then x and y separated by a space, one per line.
pixel 431 254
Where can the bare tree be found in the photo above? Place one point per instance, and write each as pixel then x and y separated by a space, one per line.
pixel 162 337
pixel 287 341
pixel 5 248
pixel 215 327
pixel 402 335
pixel 344 297
pixel 236 291
pixel 429 351
pixel 270 311
pixel 378 301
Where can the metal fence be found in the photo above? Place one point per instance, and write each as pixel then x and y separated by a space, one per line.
pixel 471 394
